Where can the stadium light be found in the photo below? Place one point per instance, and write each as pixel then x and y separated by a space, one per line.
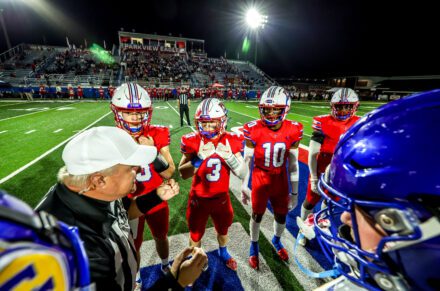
pixel 255 21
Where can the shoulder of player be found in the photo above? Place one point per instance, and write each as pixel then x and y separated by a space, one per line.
pixel 189 137
pixel 322 118
pixel 251 125
pixel 293 124
pixel 158 129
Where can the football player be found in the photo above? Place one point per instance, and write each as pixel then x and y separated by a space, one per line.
pixel 272 144
pixel 327 129
pixel 133 110
pixel 390 202
pixel 209 155
pixel 38 252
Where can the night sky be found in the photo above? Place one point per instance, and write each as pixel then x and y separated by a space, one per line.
pixel 307 38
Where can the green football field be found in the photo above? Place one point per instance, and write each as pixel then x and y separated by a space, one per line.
pixel 33 135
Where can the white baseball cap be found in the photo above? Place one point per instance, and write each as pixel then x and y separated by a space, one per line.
pixel 103 147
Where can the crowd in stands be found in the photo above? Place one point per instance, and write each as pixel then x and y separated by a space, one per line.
pixel 141 64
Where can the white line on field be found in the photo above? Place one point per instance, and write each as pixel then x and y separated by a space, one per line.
pixel 16 172
pixel 192 128
pixel 32 113
pixel 257 117
pixel 171 126
pixel 58 130
pixel 9 104
pixel 239 123
pixel 30 131
pixel 3 131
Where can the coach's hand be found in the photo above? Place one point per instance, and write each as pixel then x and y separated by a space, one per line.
pixel 168 190
pixel 205 150
pixel 186 271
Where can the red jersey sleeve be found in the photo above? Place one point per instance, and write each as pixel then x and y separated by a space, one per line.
pixel 188 144
pixel 248 130
pixel 161 136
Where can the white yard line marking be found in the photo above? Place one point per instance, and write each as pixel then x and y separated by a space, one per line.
pixel 257 118
pixel 10 104
pixel 170 126
pixel 30 131
pixel 31 113
pixel 239 123
pixel 3 131
pixel 58 130
pixel 16 172
pixel 288 240
pixel 192 128
pixel 238 247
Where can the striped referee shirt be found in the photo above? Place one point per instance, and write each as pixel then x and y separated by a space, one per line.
pixel 104 228
pixel 183 99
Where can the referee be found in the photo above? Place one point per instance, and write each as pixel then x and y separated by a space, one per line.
pixel 183 104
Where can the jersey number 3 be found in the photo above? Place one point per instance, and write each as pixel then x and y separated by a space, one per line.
pixel 216 166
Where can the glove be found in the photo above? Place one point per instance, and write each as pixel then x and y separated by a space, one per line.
pixel 205 150
pixel 314 185
pixel 293 201
pixel 245 194
pixel 224 151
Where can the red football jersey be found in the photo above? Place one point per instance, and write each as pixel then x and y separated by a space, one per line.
pixel 332 130
pixel 148 179
pixel 212 177
pixel 272 147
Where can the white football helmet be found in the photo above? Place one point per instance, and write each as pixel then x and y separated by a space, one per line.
pixel 344 103
pixel 274 105
pixel 211 110
pixel 131 97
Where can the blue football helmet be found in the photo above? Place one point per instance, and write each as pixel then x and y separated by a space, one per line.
pixel 37 252
pixel 387 166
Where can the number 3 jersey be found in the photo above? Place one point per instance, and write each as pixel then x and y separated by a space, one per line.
pixel 212 177
pixel 272 147
pixel 148 179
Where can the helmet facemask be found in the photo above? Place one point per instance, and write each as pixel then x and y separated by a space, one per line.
pixel 135 121
pixel 271 115
pixel 344 110
pixel 211 128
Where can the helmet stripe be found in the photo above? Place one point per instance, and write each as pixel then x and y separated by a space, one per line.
pixel 138 98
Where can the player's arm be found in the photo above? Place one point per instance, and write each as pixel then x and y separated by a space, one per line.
pixel 314 148
pixel 294 175
pixel 248 156
pixel 186 167
pixel 168 172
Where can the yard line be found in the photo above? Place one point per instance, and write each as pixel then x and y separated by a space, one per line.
pixel 257 117
pixel 58 130
pixel 30 131
pixel 3 131
pixel 239 123
pixel 10 104
pixel 13 174
pixel 33 112
pixel 171 126
pixel 192 128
